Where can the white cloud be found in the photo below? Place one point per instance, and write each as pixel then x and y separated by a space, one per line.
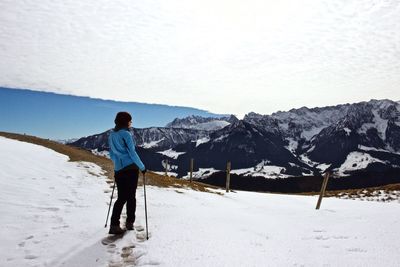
pixel 223 56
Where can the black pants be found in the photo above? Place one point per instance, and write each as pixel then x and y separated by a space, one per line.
pixel 127 181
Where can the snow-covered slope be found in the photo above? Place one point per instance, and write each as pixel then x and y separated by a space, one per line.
pixel 190 228
pixel 53 213
pixel 48 206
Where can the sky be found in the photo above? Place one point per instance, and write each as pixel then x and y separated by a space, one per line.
pixel 230 57
pixel 63 117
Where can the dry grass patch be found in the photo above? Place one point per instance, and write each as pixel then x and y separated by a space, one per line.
pixel 367 192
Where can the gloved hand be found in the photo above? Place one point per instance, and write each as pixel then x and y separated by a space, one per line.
pixel 144 171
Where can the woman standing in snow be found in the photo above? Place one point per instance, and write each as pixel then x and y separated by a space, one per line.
pixel 126 167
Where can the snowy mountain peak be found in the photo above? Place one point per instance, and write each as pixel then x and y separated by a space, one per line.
pixel 263 122
pixel 253 115
pixel 201 123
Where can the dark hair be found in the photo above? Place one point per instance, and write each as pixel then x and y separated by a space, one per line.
pixel 122 120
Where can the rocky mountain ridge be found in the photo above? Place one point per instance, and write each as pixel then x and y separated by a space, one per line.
pixel 299 142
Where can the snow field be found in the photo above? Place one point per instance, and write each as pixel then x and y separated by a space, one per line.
pixel 48 205
pixel 253 229
pixel 356 160
pixel 53 213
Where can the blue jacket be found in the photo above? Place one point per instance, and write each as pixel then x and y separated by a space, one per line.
pixel 122 150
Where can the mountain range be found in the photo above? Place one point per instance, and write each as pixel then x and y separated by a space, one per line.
pixel 345 139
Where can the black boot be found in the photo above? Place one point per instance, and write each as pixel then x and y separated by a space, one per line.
pixel 116 230
pixel 129 225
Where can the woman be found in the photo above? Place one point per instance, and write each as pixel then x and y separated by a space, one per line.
pixel 126 167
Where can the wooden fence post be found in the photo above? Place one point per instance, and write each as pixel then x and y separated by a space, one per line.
pixel 228 176
pixel 191 169
pixel 323 188
pixel 166 168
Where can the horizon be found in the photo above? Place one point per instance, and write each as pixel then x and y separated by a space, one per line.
pixel 225 57
pixel 209 111
pixel 61 116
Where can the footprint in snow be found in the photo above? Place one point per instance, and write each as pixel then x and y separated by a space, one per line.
pixel 126 251
pixel 115 264
pixel 67 200
pixel 60 227
pixel 141 236
pixel 152 263
pixel 356 250
pixel 340 237
pixel 111 248
pixel 130 261
pixel 138 254
pixel 139 228
pixel 320 237
pixel 49 208
pixel 30 257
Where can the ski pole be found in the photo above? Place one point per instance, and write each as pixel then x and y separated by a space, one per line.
pixel 145 205
pixel 109 207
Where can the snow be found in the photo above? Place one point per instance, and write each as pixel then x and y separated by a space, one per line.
pixel 252 229
pixel 292 146
pixel 378 123
pixel 222 137
pixel 311 149
pixel 307 160
pixel 263 170
pixel 211 125
pixel 53 211
pixel 66 141
pixel 48 205
pixel 202 141
pixel 367 148
pixel 201 173
pixel 151 144
pixel 347 130
pixel 311 121
pixel 192 122
pixel 387 150
pixel 323 166
pixel 381 124
pixel 308 134
pixel 103 153
pixel 356 161
pixel 171 153
pixel 171 174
